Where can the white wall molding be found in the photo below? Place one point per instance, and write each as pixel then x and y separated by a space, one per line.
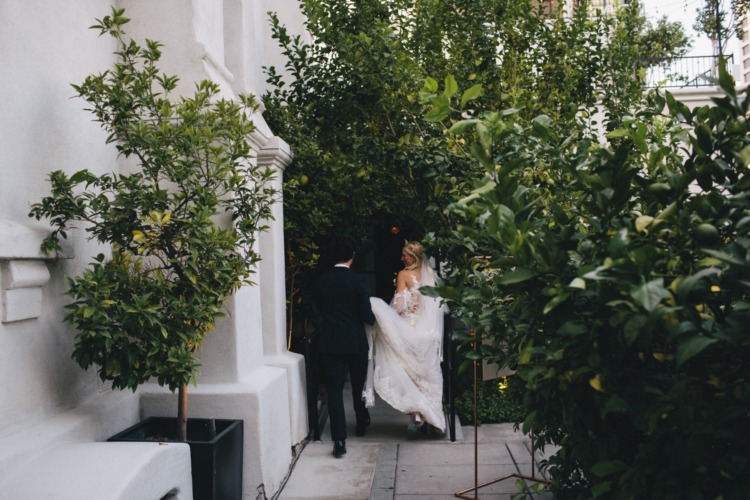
pixel 19 241
pixel 22 302
pixel 23 271
pixel 275 153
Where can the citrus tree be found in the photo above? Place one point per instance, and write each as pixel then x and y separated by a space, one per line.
pixel 618 291
pixel 181 224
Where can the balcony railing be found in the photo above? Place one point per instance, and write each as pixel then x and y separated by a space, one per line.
pixel 683 72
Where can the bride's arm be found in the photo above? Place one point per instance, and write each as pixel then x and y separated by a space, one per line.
pixel 401 278
pixel 404 301
pixel 399 300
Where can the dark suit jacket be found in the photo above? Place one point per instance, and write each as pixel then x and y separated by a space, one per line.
pixel 343 299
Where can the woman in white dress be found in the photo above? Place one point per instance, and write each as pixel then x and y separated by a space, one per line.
pixel 406 346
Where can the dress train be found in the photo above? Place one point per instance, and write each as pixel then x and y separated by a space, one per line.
pixel 405 356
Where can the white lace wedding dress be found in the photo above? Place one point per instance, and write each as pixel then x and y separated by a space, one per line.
pixel 406 351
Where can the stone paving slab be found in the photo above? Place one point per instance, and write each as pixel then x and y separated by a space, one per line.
pixel 318 474
pixel 457 453
pixel 435 470
pixel 414 479
pixel 387 464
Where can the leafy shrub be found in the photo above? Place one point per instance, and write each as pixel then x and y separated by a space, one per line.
pixel 497 401
pixel 614 276
pixel 182 224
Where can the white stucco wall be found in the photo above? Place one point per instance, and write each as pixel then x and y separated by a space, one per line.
pixel 696 97
pixel 247 24
pixel 45 45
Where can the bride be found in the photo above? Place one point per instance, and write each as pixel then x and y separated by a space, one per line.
pixel 406 346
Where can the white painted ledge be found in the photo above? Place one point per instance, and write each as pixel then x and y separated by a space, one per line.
pixel 116 471
pixel 19 241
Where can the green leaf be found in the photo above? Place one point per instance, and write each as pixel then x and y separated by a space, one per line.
pixel 541 125
pixel 451 87
pixel 606 468
pixel 642 223
pixel 619 132
pixel 471 93
pixel 601 488
pixel 725 257
pixel 430 84
pixel 616 404
pixel 745 156
pixel 678 109
pixel 556 301
pixel 651 294
pixel 695 282
pixel 578 283
pixel 691 347
pixel 462 126
pixel 524 357
pixel 517 276
pixel 571 328
pixel 633 328
pixel 440 109
pixel 639 137
pixel 726 81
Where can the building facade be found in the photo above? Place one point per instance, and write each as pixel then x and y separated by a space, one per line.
pixel 744 50
pixel 606 7
pixel 54 416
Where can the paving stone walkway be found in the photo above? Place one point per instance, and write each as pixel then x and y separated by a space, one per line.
pixel 387 464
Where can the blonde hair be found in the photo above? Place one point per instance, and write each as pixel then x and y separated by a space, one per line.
pixel 414 248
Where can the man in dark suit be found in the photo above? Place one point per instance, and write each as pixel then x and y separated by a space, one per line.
pixel 343 299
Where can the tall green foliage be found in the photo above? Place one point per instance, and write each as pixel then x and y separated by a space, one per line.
pixel 619 292
pixel 350 102
pixel 181 220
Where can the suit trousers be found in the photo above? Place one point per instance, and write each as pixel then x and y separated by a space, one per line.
pixel 336 367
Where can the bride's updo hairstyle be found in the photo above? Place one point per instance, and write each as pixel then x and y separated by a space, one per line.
pixel 414 248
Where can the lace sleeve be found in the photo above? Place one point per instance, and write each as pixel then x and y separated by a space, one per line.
pixel 406 303
pixel 401 301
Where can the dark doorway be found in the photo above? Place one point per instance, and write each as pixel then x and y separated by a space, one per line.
pixel 388 244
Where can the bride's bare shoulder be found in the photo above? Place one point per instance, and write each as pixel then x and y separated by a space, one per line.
pixel 407 275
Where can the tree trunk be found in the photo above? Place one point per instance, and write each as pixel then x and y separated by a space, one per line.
pixel 182 416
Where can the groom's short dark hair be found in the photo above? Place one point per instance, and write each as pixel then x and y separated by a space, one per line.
pixel 342 250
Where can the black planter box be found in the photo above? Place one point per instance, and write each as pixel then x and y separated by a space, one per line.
pixel 216 460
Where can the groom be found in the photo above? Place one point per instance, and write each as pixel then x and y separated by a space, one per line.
pixel 343 299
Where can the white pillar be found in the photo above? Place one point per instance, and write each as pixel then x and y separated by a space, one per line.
pixel 276 154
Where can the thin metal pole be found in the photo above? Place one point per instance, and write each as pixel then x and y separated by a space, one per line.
pixel 718 26
pixel 477 486
pixel 476 425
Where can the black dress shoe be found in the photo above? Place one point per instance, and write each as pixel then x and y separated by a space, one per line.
pixel 339 448
pixel 359 431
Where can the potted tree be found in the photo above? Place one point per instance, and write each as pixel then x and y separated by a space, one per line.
pixel 181 220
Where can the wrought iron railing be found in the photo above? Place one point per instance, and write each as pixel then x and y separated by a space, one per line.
pixel 682 72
